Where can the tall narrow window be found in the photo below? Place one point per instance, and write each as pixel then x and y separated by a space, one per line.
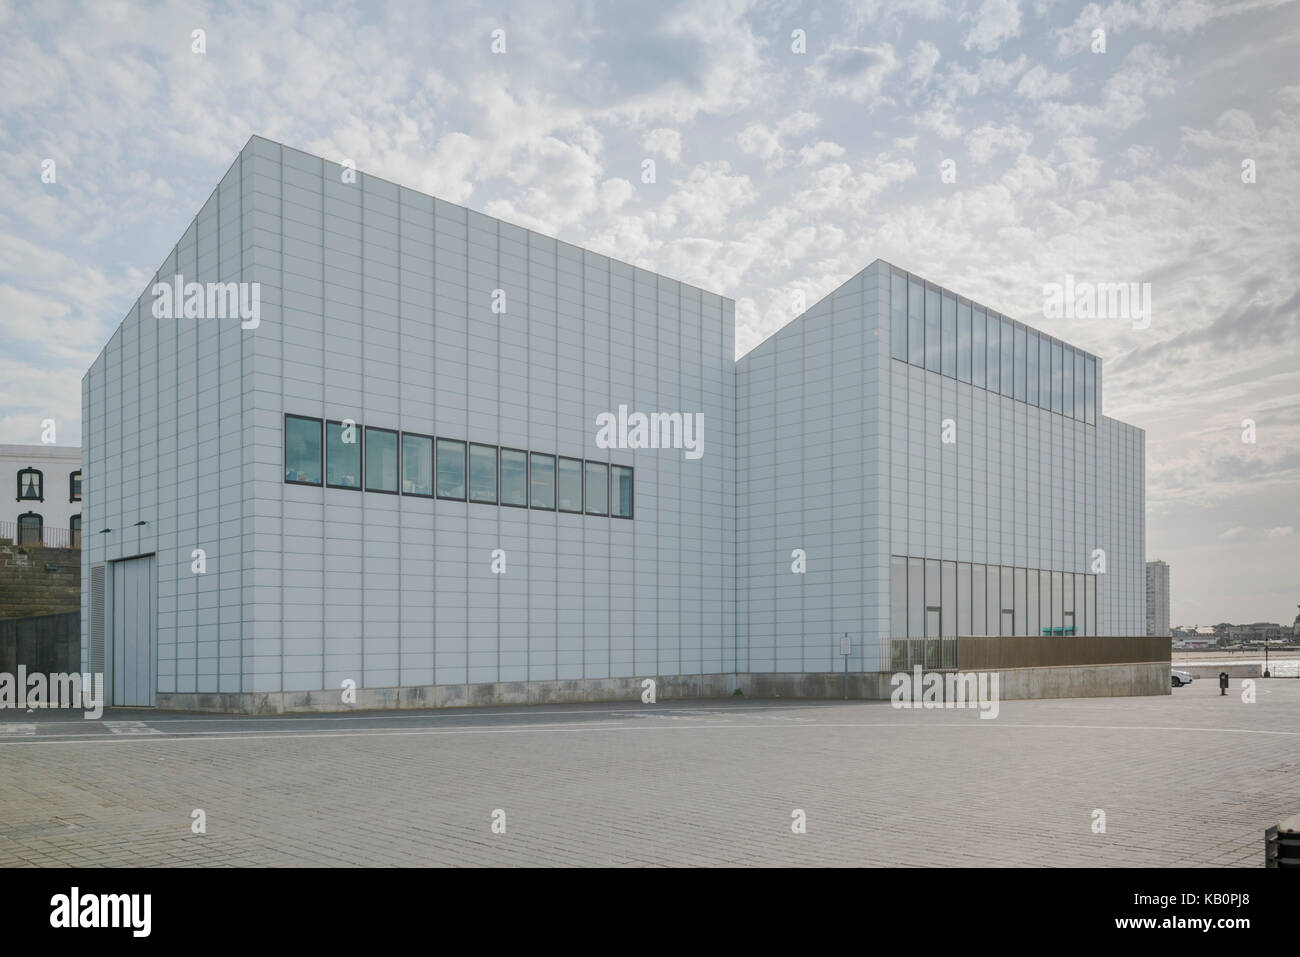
pixel 978 350
pixel 933 600
pixel 933 345
pixel 568 486
pixel 514 478
pixel 1080 386
pixel 1090 605
pixel 994 354
pixel 1068 598
pixel 963 341
pixel 1067 383
pixel 963 598
pixel 597 483
pixel 1056 379
pixel 1008 626
pixel 994 601
pixel 483 474
pixel 1057 610
pixel 897 597
pixel 542 480
pixel 1044 372
pixel 417 464
pixel 1031 607
pixel 1090 391
pixel 302 450
pixel 1045 603
pixel 915 598
pixel 30 526
pixel 381 460
pixel 898 315
pixel 451 469
pixel 74 486
pixel 74 530
pixel 1008 356
pixel 1022 604
pixel 620 481
pixel 948 364
pixel 1022 342
pixel 949 602
pixel 1031 368
pixel 1079 611
pixel 977 598
pixel 342 455
pixel 915 323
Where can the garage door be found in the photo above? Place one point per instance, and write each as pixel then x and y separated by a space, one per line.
pixel 135 632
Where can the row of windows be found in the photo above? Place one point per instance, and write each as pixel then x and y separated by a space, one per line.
pixel 31 485
pixel 937 330
pixel 932 598
pixel 31 529
pixel 426 466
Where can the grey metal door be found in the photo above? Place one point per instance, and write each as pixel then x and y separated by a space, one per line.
pixel 135 632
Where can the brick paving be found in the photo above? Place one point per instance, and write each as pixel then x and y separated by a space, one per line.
pixel 1185 779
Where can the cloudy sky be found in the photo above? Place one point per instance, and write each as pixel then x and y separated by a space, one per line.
pixel 778 171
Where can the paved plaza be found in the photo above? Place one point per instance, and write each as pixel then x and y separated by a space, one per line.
pixel 1187 778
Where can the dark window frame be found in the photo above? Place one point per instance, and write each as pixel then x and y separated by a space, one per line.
pixel 554 482
pixel 320 426
pixel 401 463
pixel 582 490
pixel 365 472
pixel 464 465
pixel 40 528
pixel 74 492
pixel 469 473
pixel 632 509
pixel 528 488
pixel 361 457
pixel 40 485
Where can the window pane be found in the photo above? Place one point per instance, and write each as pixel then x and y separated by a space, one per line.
pixel 1056 603
pixel 898 316
pixel 1022 340
pixel 31 484
pixel 451 469
pixel 514 477
pixel 963 341
pixel 932 340
pixel 948 364
pixel 569 486
pixel 1008 621
pixel 963 598
pixel 897 597
pixel 302 448
pixel 417 465
pixel 915 325
pixel 1079 389
pixel 915 598
pixel 29 529
pixel 1044 373
pixel 1031 368
pixel 1067 387
pixel 1056 381
pixel 1008 356
pixel 483 473
pixel 977 598
pixel 1090 391
pixel 75 490
pixel 597 488
pixel 620 478
pixel 993 601
pixel 381 460
pixel 1078 603
pixel 542 482
pixel 977 349
pixel 1045 603
pixel 342 455
pixel 948 621
pixel 1090 604
pixel 1031 606
pixel 993 355
pixel 932 599
pixel 1022 602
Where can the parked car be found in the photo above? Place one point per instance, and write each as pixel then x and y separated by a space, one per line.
pixel 1179 678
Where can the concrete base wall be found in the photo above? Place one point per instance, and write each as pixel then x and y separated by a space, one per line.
pixel 1086 681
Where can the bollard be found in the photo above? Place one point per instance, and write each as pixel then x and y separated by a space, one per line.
pixel 1223 683
pixel 1282 844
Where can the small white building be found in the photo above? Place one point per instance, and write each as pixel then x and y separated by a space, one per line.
pixel 40 488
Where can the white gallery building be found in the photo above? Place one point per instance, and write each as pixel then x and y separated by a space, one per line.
pixel 355 435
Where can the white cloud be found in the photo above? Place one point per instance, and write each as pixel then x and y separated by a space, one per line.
pixel 664 142
pixel 996 22
pixel 858 73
